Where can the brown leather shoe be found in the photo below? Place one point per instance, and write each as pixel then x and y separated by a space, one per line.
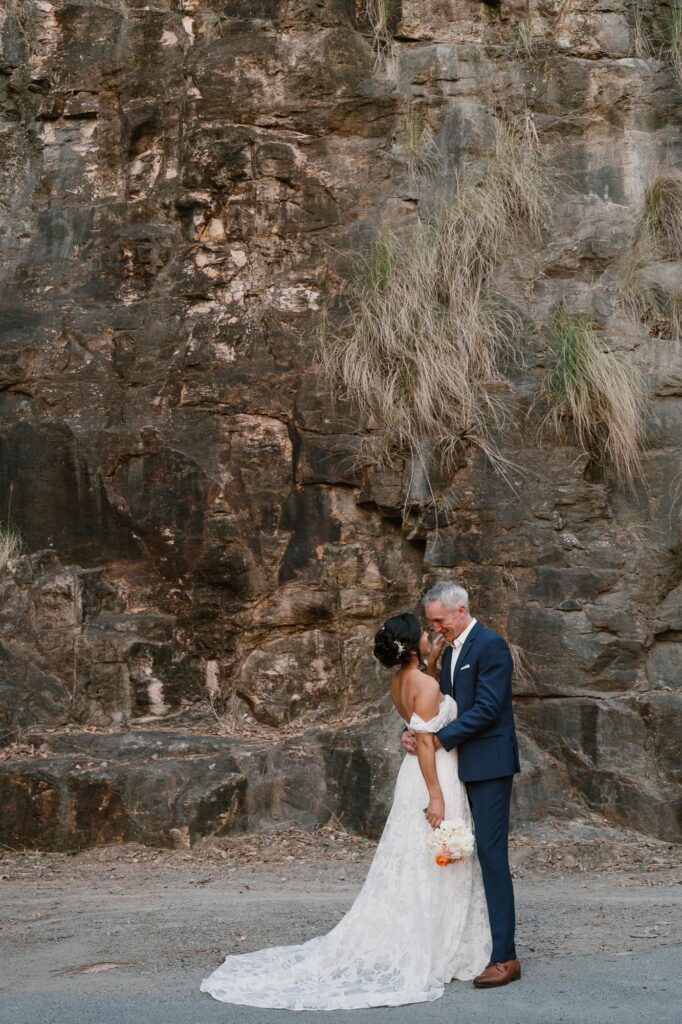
pixel 498 974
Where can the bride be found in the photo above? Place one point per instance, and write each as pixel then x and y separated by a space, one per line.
pixel 414 925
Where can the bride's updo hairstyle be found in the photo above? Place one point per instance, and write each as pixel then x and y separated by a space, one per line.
pixel 396 639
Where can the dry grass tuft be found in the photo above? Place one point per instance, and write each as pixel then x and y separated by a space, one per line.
pixel 676 499
pixel 421 350
pixel 422 156
pixel 641 33
pixel 524 38
pixel 524 676
pixel 380 15
pixel 26 14
pixel 121 7
pixel 656 248
pixel 11 545
pixel 213 25
pixel 601 394
pixel 657 33
pixel 674 40
pixel 663 213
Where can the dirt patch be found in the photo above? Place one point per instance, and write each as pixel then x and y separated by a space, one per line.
pixel 554 849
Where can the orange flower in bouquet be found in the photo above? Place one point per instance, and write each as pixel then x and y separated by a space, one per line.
pixel 451 843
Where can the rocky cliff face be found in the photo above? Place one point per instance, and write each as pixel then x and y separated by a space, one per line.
pixel 180 180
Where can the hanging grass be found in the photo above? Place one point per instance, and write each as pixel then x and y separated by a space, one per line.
pixel 657 32
pixel 381 14
pixel 641 35
pixel 524 38
pixel 673 45
pixel 662 216
pixel 646 296
pixel 653 255
pixel 601 395
pixel 421 350
pixel 524 677
pixel 416 140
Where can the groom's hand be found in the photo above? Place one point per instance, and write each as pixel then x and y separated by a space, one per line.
pixel 408 742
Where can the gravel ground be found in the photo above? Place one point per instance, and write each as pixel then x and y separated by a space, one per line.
pixel 126 933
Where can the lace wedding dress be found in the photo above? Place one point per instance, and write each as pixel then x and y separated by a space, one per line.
pixel 413 927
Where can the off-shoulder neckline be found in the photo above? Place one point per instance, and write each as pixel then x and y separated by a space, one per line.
pixel 446 698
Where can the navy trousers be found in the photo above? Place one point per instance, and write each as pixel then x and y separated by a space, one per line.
pixel 489 801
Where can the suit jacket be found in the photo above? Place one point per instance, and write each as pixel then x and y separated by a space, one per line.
pixel 483 731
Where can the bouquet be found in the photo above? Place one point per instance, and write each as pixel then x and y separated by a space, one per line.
pixel 451 842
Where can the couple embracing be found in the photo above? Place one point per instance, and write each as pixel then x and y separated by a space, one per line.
pixel 414 925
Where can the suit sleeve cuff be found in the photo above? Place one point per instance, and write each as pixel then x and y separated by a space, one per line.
pixel 445 741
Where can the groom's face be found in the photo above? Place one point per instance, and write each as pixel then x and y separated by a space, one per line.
pixel 449 622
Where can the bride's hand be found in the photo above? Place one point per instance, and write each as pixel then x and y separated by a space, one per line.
pixel 435 812
pixel 435 651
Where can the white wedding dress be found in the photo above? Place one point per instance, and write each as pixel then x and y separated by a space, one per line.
pixel 413 927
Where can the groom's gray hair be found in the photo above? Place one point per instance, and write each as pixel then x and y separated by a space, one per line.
pixel 452 595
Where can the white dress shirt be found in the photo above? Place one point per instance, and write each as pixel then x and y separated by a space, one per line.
pixel 457 645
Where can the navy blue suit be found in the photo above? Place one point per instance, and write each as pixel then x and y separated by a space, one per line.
pixel 488 758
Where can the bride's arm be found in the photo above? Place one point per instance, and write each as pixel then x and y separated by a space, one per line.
pixel 426 706
pixel 426 755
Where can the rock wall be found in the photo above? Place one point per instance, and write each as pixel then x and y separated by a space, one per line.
pixel 180 181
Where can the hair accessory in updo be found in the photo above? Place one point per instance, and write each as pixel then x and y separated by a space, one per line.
pixel 396 639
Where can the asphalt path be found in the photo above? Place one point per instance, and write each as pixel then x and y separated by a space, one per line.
pixel 133 950
pixel 630 989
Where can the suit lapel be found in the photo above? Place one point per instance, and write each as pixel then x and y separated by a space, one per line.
pixel 445 670
pixel 463 654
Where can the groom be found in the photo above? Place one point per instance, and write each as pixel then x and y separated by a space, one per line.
pixel 476 670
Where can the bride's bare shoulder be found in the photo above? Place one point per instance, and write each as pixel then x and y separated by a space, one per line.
pixel 423 694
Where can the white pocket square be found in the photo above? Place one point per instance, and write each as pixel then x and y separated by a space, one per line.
pixel 464 666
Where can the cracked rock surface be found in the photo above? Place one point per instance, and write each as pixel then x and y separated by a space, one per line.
pixel 179 181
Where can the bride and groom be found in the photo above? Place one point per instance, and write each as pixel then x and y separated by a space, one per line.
pixel 415 926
